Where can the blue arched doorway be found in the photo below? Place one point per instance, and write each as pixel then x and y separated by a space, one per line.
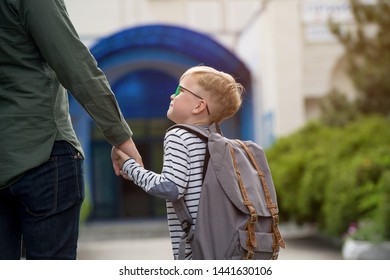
pixel 143 65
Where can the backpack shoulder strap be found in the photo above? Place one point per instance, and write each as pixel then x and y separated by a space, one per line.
pixel 199 131
pixel 187 225
pixel 202 133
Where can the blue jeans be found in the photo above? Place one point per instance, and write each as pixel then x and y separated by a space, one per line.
pixel 43 207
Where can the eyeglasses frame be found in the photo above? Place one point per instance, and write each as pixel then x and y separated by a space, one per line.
pixel 177 92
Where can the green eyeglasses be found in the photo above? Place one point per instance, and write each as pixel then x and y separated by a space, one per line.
pixel 180 88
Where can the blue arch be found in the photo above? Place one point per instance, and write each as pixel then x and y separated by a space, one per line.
pixel 177 44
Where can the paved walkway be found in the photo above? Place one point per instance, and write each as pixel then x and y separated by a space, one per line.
pixel 148 240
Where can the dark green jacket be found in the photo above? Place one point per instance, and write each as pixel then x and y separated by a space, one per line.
pixel 41 57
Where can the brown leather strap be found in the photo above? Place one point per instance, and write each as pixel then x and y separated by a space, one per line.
pixel 250 225
pixel 277 237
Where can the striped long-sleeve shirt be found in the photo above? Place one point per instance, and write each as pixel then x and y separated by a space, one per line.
pixel 181 175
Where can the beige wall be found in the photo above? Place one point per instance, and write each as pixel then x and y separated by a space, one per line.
pixel 322 70
pixel 293 59
pixel 222 19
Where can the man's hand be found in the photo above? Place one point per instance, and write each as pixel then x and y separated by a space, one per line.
pixel 119 159
pixel 115 161
pixel 128 147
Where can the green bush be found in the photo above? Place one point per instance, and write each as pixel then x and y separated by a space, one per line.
pixel 335 176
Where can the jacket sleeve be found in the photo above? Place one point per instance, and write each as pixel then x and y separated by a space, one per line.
pixel 48 23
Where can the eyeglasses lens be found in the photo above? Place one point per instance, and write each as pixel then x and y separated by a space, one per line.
pixel 177 91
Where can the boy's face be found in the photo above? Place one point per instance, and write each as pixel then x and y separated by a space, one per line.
pixel 183 103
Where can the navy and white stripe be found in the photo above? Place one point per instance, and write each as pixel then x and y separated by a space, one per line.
pixel 182 175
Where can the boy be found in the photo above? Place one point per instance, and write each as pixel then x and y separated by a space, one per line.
pixel 204 96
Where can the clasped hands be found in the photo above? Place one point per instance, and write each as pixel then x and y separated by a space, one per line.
pixel 121 153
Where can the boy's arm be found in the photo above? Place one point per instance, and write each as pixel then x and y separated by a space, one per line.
pixel 172 181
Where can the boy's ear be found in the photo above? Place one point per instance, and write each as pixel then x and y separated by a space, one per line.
pixel 200 107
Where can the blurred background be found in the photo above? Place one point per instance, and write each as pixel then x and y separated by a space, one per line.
pixel 317 81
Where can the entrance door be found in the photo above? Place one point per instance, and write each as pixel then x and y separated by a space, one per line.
pixel 117 198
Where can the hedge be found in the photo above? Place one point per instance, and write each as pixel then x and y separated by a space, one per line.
pixel 335 176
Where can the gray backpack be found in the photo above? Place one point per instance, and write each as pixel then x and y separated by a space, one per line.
pixel 238 213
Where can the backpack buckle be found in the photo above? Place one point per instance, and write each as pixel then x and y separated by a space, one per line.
pixel 186 226
pixel 249 256
pixel 188 230
pixel 253 218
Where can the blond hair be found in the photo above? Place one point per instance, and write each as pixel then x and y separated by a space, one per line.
pixel 224 94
